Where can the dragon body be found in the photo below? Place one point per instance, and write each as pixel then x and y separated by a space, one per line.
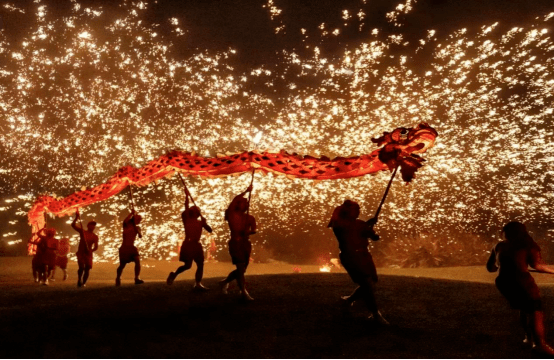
pixel 398 148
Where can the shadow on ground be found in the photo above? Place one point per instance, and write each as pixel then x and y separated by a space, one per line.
pixel 293 316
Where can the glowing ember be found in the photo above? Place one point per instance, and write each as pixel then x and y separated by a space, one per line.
pixel 325 268
pixel 75 107
pixel 401 149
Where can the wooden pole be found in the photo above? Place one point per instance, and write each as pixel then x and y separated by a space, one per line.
pixel 250 193
pixel 133 209
pixel 83 231
pixel 385 195
pixel 132 201
pixel 187 192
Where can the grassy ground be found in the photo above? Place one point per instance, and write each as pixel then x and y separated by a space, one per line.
pixel 293 316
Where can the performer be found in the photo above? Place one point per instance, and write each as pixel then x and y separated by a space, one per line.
pixel 128 251
pixel 61 258
pixel 352 235
pixel 512 258
pixel 48 246
pixel 36 263
pixel 88 243
pixel 211 248
pixel 242 225
pixel 191 249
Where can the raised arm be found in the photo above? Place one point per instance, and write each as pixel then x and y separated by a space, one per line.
pixel 248 189
pixel 127 221
pixel 36 240
pixel 187 200
pixel 74 224
pixel 491 263
pixel 40 236
pixel 129 217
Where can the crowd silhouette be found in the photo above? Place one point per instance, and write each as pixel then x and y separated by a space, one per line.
pixel 512 258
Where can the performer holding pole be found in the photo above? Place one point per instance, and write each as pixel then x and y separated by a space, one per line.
pixel 352 235
pixel 242 225
pixel 128 252
pixel 191 249
pixel 61 257
pixel 47 246
pixel 88 243
pixel 36 263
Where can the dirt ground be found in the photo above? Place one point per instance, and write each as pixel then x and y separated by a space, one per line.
pixel 434 313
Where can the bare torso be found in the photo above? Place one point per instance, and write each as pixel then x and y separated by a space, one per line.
pixel 514 260
pixel 130 233
pixel 193 227
pixel 241 225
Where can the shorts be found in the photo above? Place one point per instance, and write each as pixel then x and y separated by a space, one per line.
pixel 37 262
pixel 61 261
pixel 240 251
pixel 359 266
pixel 191 251
pixel 49 259
pixel 84 260
pixel 521 292
pixel 128 254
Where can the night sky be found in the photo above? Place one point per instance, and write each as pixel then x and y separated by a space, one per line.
pixel 262 71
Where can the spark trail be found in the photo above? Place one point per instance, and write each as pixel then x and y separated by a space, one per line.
pixel 83 95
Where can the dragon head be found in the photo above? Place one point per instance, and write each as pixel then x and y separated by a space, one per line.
pixel 402 147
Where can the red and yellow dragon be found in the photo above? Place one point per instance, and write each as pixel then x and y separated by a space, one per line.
pixel 400 147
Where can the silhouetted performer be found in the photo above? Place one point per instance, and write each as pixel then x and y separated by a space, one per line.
pixel 61 258
pixel 88 243
pixel 211 248
pixel 191 249
pixel 36 263
pixel 242 225
pixel 352 235
pixel 48 246
pixel 512 258
pixel 128 252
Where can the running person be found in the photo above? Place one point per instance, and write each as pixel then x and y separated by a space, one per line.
pixel 36 263
pixel 352 235
pixel 48 246
pixel 242 225
pixel 61 258
pixel 128 251
pixel 88 243
pixel 191 249
pixel 211 248
pixel 511 258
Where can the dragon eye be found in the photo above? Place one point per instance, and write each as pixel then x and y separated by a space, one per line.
pixel 404 133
